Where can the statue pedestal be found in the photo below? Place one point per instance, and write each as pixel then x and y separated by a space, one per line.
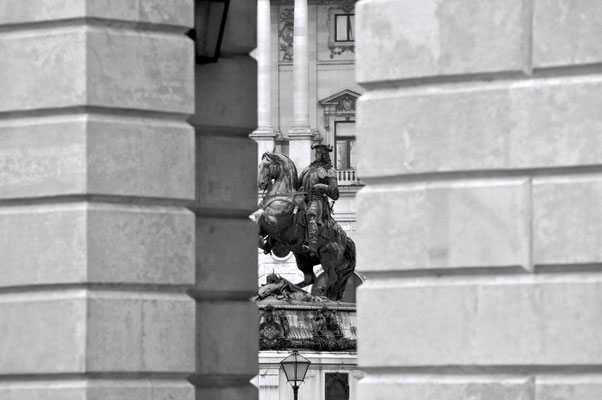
pixel 306 325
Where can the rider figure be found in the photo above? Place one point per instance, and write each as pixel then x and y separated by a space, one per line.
pixel 318 180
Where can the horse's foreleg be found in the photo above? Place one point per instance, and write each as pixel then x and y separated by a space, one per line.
pixel 307 267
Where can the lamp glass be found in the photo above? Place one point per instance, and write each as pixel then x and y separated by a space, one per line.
pixel 295 367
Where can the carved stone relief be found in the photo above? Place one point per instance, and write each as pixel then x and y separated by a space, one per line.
pixel 285 35
pixel 338 48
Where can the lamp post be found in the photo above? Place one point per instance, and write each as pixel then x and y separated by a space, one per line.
pixel 209 25
pixel 295 367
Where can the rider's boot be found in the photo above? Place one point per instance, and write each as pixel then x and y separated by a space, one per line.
pixel 312 237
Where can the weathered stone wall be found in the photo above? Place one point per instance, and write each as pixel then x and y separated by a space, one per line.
pixel 226 193
pixel 97 179
pixel 481 214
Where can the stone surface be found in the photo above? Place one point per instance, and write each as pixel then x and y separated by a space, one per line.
pixel 446 225
pixel 43 156
pixel 25 85
pixel 97 389
pixel 578 387
pixel 506 125
pixel 226 177
pixel 223 112
pixel 29 323
pixel 566 33
pixel 140 332
pixel 43 244
pixel 106 67
pixel 140 244
pixel 445 387
pixel 96 331
pixel 405 39
pixel 567 225
pixel 140 157
pixel 174 12
pixel 222 349
pixel 480 322
pixel 240 33
pixel 83 153
pixel 133 70
pixel 247 392
pixel 78 243
pixel 219 266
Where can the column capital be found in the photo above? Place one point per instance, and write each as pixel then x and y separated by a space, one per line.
pixel 300 132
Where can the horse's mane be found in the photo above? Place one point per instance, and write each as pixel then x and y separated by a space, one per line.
pixel 287 166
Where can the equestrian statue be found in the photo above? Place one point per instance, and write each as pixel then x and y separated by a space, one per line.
pixel 295 215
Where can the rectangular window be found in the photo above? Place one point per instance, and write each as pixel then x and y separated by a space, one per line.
pixel 344 25
pixel 345 145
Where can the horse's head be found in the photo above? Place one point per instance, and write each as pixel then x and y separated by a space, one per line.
pixel 269 170
pixel 277 172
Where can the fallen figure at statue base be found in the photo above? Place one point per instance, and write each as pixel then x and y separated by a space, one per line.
pixel 282 289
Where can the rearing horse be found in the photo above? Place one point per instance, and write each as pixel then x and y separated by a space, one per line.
pixel 282 227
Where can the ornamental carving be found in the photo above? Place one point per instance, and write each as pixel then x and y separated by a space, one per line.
pixel 338 48
pixel 273 330
pixel 327 332
pixel 285 35
pixel 346 104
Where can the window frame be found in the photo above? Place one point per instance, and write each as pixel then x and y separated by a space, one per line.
pixel 349 27
pixel 347 138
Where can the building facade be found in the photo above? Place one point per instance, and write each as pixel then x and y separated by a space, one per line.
pixel 126 175
pixel 307 95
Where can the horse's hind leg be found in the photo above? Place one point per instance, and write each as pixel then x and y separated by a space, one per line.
pixel 306 265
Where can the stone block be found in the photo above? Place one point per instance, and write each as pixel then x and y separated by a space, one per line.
pixel 140 157
pixel 94 154
pixel 227 338
pixel 232 106
pixel 504 125
pixel 174 12
pixel 62 81
pixel 133 70
pixel 43 333
pixel 573 387
pixel 97 67
pixel 220 265
pixel 43 244
pixel 140 244
pixel 410 39
pixel 247 392
pixel 566 33
pixel 78 243
pixel 462 224
pixel 97 389
pixel 240 34
pixel 140 332
pixel 399 386
pixel 223 178
pixel 567 224
pixel 42 157
pixel 511 321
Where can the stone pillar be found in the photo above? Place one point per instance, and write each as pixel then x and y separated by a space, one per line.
pixel 300 135
pixel 226 193
pixel 480 228
pixel 264 134
pixel 96 169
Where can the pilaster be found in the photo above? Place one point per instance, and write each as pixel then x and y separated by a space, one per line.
pixel 97 168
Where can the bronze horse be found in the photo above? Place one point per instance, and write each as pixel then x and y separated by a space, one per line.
pixel 282 227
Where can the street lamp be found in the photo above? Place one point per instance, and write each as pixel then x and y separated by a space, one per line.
pixel 209 25
pixel 295 367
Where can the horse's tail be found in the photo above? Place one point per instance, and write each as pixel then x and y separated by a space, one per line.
pixel 347 268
